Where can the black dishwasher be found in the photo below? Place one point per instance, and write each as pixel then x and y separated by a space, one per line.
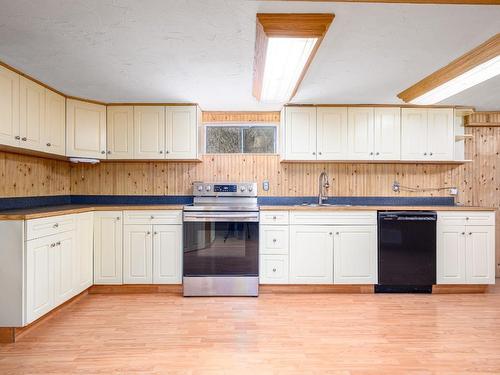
pixel 406 251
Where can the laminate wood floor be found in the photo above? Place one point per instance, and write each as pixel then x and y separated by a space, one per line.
pixel 272 334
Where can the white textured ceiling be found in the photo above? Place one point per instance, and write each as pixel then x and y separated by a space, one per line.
pixel 202 51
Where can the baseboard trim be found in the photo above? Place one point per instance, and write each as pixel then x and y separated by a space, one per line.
pixel 9 335
pixel 315 288
pixel 175 289
pixel 459 288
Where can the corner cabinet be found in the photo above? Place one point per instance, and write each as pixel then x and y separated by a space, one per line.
pixel 85 129
pixel 466 247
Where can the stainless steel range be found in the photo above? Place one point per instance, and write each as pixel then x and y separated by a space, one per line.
pixel 221 240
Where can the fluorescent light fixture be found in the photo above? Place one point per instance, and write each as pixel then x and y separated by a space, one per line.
pixel 472 77
pixel 83 160
pixel 285 61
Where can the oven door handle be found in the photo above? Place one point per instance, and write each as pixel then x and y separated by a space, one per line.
pixel 222 216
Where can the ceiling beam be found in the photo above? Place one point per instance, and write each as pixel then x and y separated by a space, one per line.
pixel 446 2
pixel 482 53
pixel 291 25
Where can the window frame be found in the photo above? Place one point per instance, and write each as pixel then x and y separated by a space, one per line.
pixel 242 126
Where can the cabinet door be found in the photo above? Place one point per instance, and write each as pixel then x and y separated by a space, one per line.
pixel 120 132
pixel 54 129
pixel 414 134
pixel 360 133
pixel 300 133
pixel 167 254
pixel 85 129
pixel 39 277
pixel 440 134
pixel 9 107
pixel 311 254
pixel 84 251
pixel 32 114
pixel 137 254
pixel 65 272
pixel 273 269
pixel 181 135
pixel 450 254
pixel 387 134
pixel 108 231
pixel 480 254
pixel 332 133
pixel 355 254
pixel 149 132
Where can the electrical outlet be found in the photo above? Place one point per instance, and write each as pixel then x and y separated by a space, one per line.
pixel 453 191
pixel 265 185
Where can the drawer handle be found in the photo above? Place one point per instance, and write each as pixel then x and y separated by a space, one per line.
pixel 58 243
pixel 274 239
pixel 151 217
pixel 274 269
pixel 467 218
pixel 48 144
pixel 56 225
pixel 24 139
pixel 274 217
pixel 17 138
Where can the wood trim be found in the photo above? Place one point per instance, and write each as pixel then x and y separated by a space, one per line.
pixel 483 119
pixel 92 101
pixel 221 116
pixel 298 25
pixel 11 334
pixel 315 288
pixel 447 2
pixel 459 288
pixel 482 53
pixel 456 107
pixel 151 104
pixel 175 289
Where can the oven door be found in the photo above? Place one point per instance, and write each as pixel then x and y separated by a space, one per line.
pixel 221 244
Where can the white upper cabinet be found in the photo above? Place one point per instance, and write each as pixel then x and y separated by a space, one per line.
pixel 332 141
pixel 149 132
pixel 31 114
pixel 300 133
pixel 181 132
pixel 427 134
pixel 9 107
pixel 120 132
pixel 387 134
pixel 85 129
pixel 54 127
pixel 440 134
pixel 360 133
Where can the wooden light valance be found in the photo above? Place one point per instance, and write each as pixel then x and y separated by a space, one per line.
pixel 483 119
pixel 291 25
pixel 479 55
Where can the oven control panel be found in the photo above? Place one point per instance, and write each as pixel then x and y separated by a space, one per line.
pixel 225 189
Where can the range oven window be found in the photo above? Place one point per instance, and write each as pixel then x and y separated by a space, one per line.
pixel 221 249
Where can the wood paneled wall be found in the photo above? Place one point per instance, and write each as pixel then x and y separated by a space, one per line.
pixel 23 175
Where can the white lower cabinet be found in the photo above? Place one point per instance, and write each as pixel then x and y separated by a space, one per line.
pixel 311 254
pixel 137 254
pixel 465 253
pixel 274 250
pixel 39 277
pixel 64 267
pixel 273 269
pixel 108 231
pixel 167 254
pixel 355 254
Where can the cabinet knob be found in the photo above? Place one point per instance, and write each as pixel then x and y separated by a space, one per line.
pixel 56 225
pixel 330 233
pixel 148 233
pixel 52 245
pixel 314 153
pixel 274 217
pixel 274 269
pixel 118 218
pixel 371 153
pixel 48 144
pixel 155 233
pixel 167 152
pixel 467 218
pixel 430 153
pixel 320 153
pixel 274 240
pixel 470 233
pixel 24 139
pixel 337 233
pixel 17 137
pixel 58 243
pixel 425 153
pixel 103 152
pixel 463 233
pixel 109 152
pixel 378 153
pixel 151 217
pixel 161 151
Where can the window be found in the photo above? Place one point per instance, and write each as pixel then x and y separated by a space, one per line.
pixel 244 139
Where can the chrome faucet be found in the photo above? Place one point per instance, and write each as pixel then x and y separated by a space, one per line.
pixel 323 184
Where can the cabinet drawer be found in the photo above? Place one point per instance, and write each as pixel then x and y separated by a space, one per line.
pixel 466 218
pixel 274 217
pixel 47 226
pixel 153 217
pixel 334 217
pixel 273 269
pixel 273 239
